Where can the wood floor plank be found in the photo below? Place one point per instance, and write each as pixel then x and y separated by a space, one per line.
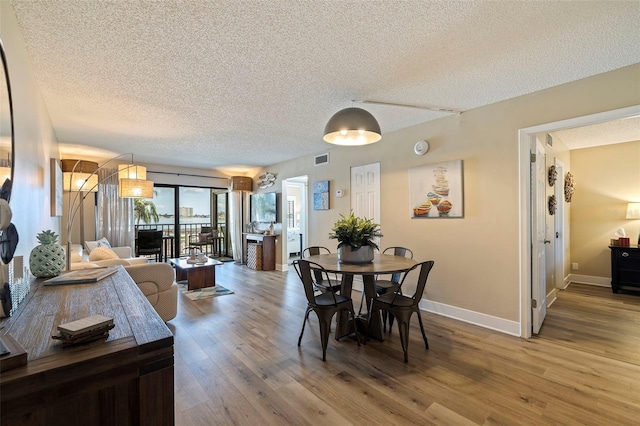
pixel 594 319
pixel 237 362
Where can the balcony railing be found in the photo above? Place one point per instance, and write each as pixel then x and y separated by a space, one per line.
pixel 173 248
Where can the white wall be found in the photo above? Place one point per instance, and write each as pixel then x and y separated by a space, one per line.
pixel 476 258
pixel 35 141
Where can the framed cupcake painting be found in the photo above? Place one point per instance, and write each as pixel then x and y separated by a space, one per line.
pixel 436 191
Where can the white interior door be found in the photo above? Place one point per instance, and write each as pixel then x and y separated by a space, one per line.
pixel 538 231
pixel 365 191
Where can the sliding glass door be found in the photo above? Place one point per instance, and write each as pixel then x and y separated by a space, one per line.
pixel 184 214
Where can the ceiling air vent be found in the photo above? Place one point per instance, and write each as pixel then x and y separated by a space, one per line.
pixel 320 160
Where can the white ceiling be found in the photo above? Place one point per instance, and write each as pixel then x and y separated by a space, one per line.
pixel 611 132
pixel 240 84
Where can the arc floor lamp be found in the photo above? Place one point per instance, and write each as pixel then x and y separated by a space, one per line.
pixel 80 178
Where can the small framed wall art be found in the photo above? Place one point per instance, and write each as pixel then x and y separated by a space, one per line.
pixel 321 195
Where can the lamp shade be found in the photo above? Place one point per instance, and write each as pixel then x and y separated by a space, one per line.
pixel 633 211
pixel 132 171
pixel 240 183
pixel 79 175
pixel 352 126
pixel 135 188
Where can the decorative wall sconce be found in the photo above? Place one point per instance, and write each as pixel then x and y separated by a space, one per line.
pixel 569 187
pixel 553 204
pixel 266 180
pixel 553 175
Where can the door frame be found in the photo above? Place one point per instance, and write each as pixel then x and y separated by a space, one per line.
pixel 302 182
pixel 538 234
pixel 525 136
pixel 559 228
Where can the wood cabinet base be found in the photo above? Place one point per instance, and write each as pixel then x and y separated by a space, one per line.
pixel 127 380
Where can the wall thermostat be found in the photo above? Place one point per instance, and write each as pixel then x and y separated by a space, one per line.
pixel 339 193
pixel 421 147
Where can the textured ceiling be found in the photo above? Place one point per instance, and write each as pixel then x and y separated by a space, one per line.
pixel 240 84
pixel 611 132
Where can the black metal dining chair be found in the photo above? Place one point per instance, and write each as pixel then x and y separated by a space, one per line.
pixel 325 305
pixel 402 307
pixel 322 283
pixel 384 286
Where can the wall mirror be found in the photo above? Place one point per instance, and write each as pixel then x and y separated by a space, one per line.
pixel 6 130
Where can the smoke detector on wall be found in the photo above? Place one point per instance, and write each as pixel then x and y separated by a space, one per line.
pixel 421 147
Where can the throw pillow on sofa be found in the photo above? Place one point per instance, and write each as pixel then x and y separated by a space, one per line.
pixel 102 242
pixel 204 236
pixel 102 253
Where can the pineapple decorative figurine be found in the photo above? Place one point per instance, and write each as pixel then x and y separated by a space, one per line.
pixel 47 259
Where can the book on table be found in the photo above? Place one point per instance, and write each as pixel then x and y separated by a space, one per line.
pixel 85 325
pixel 82 276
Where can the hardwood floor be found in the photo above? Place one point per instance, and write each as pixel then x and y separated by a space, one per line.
pixel 237 362
pixel 596 320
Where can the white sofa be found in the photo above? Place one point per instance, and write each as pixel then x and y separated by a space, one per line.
pixel 157 282
pixel 80 258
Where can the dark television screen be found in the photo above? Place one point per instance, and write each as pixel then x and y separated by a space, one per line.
pixel 263 207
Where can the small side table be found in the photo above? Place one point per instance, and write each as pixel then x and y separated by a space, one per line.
pixel 198 275
pixel 625 268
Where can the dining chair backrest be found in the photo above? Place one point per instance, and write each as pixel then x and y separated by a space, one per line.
pixel 398 251
pixel 425 268
pixel 304 269
pixel 314 251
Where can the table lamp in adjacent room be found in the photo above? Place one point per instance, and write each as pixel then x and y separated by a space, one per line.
pixel 633 212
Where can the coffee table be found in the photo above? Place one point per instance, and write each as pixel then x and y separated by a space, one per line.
pixel 198 275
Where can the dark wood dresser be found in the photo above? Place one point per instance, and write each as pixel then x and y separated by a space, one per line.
pixel 625 268
pixel 126 380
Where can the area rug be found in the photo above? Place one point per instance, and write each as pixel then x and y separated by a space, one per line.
pixel 203 293
pixel 222 258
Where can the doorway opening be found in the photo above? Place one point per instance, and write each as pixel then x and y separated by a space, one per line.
pixel 294 218
pixel 528 244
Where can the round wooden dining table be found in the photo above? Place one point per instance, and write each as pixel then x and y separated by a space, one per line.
pixel 381 264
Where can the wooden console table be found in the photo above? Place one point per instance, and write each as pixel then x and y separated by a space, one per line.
pixel 267 252
pixel 126 380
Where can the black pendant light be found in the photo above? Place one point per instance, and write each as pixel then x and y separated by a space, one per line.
pixel 352 126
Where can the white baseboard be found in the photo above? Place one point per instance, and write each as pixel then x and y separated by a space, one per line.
pixel 282 267
pixel 551 297
pixel 476 318
pixel 472 317
pixel 588 279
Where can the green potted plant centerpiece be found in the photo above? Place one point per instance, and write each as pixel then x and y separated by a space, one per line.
pixel 356 238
